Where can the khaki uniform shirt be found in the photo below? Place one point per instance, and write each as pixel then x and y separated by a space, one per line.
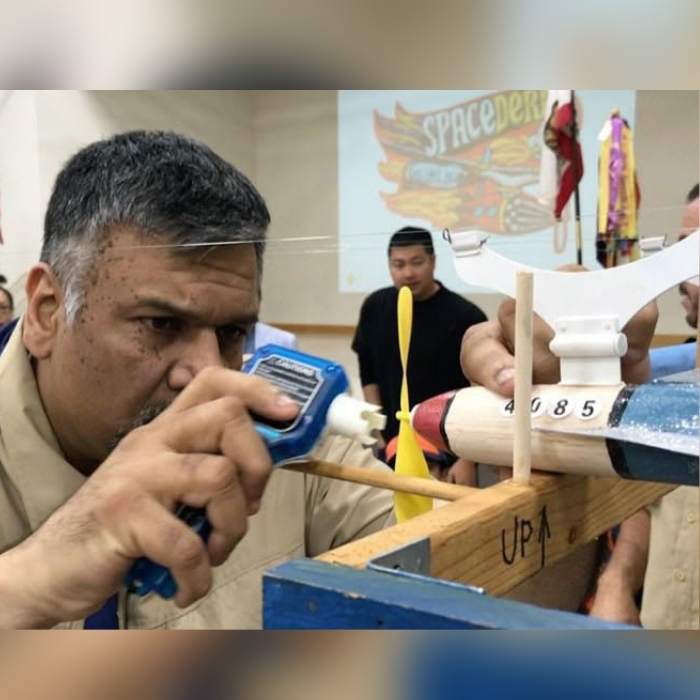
pixel 671 585
pixel 300 515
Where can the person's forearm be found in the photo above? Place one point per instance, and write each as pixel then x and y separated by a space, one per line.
pixel 636 370
pixel 628 562
pixel 371 394
pixel 19 608
pixel 636 367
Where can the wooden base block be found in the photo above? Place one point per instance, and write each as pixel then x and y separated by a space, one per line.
pixel 500 536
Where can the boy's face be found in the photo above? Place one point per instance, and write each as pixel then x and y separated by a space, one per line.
pixel 412 266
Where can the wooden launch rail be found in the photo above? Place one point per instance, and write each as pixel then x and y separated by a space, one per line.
pixel 499 536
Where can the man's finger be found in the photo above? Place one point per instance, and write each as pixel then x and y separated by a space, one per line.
pixel 228 516
pixel 222 427
pixel 193 479
pixel 640 332
pixel 486 360
pixel 256 394
pixel 148 529
pixel 200 429
pixel 545 365
pixel 251 458
pixel 168 541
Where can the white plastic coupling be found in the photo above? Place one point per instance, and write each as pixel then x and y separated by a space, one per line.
pixel 467 242
pixel 355 419
pixel 651 244
pixel 590 349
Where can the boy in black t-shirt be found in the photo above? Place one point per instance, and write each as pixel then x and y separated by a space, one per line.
pixel 440 319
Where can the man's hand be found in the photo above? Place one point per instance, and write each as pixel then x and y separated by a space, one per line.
pixel 202 451
pixel 615 603
pixel 487 352
pixel 462 472
pixel 487 349
pixel 624 574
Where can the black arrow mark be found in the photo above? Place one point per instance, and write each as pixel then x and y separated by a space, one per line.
pixel 524 539
pixel 543 534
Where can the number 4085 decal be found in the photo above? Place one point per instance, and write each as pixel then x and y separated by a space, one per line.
pixel 558 407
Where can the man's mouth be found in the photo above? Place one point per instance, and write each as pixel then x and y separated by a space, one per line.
pixel 144 417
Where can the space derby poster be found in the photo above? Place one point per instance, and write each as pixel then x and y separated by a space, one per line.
pixel 468 165
pixel 457 160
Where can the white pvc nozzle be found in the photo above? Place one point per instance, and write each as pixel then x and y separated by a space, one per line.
pixel 354 418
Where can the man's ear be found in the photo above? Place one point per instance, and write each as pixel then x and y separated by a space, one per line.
pixel 44 315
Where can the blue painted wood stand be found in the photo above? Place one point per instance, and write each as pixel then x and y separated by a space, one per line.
pixel 309 594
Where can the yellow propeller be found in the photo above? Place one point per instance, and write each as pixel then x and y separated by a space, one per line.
pixel 410 460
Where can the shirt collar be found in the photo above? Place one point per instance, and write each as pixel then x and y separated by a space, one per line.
pixel 31 455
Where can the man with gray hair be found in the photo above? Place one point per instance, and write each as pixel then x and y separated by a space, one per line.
pixel 134 329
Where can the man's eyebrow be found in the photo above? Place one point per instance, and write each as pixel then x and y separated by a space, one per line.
pixel 176 309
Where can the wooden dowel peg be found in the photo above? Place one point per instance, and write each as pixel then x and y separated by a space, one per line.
pixel 384 479
pixel 523 377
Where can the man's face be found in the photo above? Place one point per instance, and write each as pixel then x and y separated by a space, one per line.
pixel 153 319
pixel 412 266
pixel 5 308
pixel 689 290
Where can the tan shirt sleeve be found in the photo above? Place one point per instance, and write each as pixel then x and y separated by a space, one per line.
pixel 672 582
pixel 337 511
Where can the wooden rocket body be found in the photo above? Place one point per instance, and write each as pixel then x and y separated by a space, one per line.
pixel 477 424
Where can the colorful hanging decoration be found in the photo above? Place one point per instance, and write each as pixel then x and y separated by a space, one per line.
pixel 618 195
pixel 560 135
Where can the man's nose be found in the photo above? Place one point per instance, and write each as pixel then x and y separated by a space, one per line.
pixel 200 351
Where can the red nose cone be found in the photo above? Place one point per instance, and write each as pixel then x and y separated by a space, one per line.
pixel 428 418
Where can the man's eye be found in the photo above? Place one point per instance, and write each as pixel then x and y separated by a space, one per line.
pixel 163 324
pixel 228 335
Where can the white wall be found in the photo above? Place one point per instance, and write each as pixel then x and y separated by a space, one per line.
pixel 22 216
pixel 69 120
pixel 667 153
